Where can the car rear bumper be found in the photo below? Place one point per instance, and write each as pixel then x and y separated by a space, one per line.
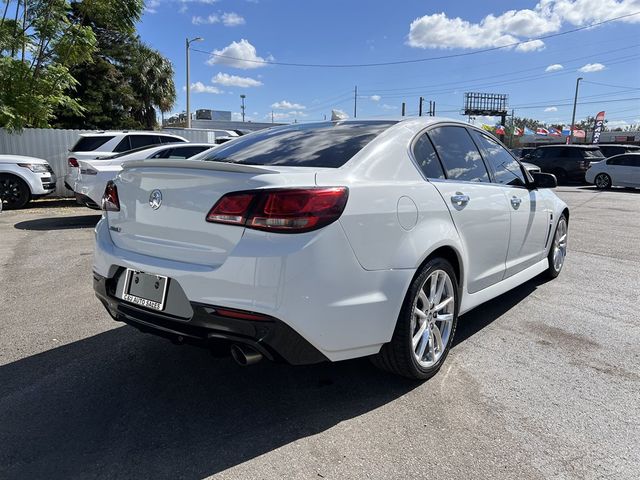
pixel 273 338
pixel 312 283
pixel 86 201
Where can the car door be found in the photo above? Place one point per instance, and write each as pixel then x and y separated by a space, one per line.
pixel 530 213
pixel 477 207
pixel 617 170
pixel 633 162
pixel 629 167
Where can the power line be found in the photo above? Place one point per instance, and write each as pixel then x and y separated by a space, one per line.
pixel 419 60
pixel 609 85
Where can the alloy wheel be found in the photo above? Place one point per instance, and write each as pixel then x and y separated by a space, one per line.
pixel 603 181
pixel 433 314
pixel 560 245
pixel 11 191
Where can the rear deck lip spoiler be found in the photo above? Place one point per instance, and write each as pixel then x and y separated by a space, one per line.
pixel 197 165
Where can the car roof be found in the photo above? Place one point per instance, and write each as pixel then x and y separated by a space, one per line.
pixel 104 133
pixel 633 147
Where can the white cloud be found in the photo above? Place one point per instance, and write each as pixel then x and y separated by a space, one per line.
pixel 235 81
pixel 591 67
pixel 151 6
pixel 547 16
pixel 551 109
pixel 232 19
pixel 617 124
pixel 239 55
pixel 389 107
pixel 208 20
pixel 285 105
pixel 199 87
pixel 554 68
pixel 531 46
pixel 375 98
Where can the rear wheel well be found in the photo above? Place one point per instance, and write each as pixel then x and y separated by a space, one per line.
pixel 565 212
pixel 451 256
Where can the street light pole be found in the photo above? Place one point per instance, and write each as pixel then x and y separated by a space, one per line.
pixel 188 44
pixel 573 116
pixel 243 96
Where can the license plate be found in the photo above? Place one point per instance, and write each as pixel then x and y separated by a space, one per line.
pixel 145 289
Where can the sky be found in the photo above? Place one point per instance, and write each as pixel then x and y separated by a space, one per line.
pixel 538 74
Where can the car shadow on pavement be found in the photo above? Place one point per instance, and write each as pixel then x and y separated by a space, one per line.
pixel 122 404
pixel 59 223
pixel 611 190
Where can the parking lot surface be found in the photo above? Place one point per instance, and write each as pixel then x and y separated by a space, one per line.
pixel 543 382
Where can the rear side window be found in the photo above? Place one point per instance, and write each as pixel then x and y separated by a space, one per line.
pixel 89 144
pixel 506 169
pixel 460 156
pixel 426 158
pixel 595 153
pixel 325 144
pixel 163 139
pixel 179 152
pixel 142 140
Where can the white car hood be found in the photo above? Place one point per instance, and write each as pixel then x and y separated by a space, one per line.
pixel 15 159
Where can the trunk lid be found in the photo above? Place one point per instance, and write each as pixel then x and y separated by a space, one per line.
pixel 176 229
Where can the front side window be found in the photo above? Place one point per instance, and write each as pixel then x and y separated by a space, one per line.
pixel 427 158
pixel 593 153
pixel 142 140
pixel 460 156
pixel 327 144
pixel 506 169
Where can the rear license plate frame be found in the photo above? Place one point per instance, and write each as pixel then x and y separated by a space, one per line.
pixel 141 301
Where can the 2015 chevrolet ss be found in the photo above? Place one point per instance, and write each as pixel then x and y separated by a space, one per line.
pixel 327 241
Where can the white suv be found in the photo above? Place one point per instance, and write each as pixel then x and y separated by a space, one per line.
pixel 92 145
pixel 24 178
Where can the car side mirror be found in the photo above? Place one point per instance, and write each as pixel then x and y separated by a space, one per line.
pixel 528 156
pixel 544 180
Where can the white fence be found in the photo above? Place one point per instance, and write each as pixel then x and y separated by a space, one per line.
pixel 53 145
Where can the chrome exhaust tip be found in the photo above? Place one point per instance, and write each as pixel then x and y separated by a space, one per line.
pixel 245 355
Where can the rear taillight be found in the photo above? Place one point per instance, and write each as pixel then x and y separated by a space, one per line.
pixel 73 162
pixel 110 201
pixel 292 210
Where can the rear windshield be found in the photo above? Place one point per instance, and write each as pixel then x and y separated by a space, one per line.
pixel 89 144
pixel 127 152
pixel 324 144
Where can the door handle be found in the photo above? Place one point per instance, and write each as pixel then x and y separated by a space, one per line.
pixel 460 199
pixel 515 202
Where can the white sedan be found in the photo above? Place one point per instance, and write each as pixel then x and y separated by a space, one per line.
pixel 619 170
pixel 92 175
pixel 23 179
pixel 327 241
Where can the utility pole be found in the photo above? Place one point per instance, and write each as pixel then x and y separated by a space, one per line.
pixel 188 44
pixel 404 106
pixel 271 116
pixel 243 96
pixel 573 115
pixel 420 106
pixel 433 112
pixel 355 102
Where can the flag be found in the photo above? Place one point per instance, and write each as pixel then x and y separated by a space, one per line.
pixel 554 132
pixel 579 133
pixel 518 132
pixel 499 130
pixel 486 127
pixel 528 131
pixel 597 128
pixel 542 131
pixel 566 131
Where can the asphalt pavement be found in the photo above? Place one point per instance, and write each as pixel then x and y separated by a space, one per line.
pixel 543 382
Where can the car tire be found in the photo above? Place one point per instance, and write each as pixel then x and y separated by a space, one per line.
pixel 421 341
pixel 558 249
pixel 602 181
pixel 14 191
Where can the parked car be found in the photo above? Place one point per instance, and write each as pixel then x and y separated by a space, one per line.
pixel 23 179
pixel 327 241
pixel 93 175
pixel 619 170
pixel 93 145
pixel 611 149
pixel 566 162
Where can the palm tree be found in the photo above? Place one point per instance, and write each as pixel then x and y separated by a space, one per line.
pixel 152 82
